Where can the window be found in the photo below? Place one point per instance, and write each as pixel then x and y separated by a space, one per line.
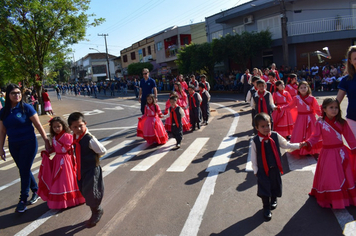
pixel 99 69
pixel 238 29
pixel 144 52
pixel 133 56
pixel 273 24
pixel 159 46
pixel 217 34
pixel 185 41
pixel 125 58
pixel 149 50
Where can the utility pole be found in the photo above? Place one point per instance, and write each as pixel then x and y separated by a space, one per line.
pixel 284 32
pixel 107 55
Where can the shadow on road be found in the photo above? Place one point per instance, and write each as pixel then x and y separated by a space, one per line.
pixel 243 227
pixel 67 230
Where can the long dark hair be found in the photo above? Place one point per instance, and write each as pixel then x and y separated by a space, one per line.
pixel 326 103
pixel 61 121
pixel 7 108
pixel 350 70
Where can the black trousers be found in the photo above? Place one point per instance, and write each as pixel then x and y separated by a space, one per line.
pixel 91 185
pixel 177 132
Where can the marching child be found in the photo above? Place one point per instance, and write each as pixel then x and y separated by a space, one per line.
pixel 262 101
pixel 194 101
pixel 168 121
pixel 204 105
pixel 47 102
pixel 292 85
pixel 150 126
pixel 307 106
pixel 182 102
pixel 57 177
pixel 283 120
pixel 266 162
pixel 176 113
pixel 89 174
pixel 334 183
pixel 271 83
pixel 249 97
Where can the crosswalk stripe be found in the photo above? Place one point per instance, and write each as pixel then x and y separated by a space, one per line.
pixel 14 164
pixel 249 163
pixel 155 157
pixel 105 143
pixel 116 148
pixel 188 155
pixel 107 169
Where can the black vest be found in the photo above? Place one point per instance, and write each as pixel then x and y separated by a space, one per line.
pixel 271 160
pixel 204 97
pixel 257 100
pixel 89 159
pixel 191 104
pixel 179 117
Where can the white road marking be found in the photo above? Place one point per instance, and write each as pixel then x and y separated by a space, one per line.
pixel 117 108
pixel 217 164
pixel 123 159
pixel 117 133
pixel 188 155
pixel 114 128
pixel 105 143
pixel 249 163
pixel 155 157
pixel 117 148
pixel 14 164
pixel 93 112
pixel 15 181
pixel 296 163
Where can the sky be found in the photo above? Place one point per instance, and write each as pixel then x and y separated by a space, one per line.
pixel 130 21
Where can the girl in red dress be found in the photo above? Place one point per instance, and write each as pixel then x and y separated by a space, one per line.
pixel 47 102
pixel 334 182
pixel 282 120
pixel 292 85
pixel 150 126
pixel 308 107
pixel 183 102
pixel 57 177
pixel 182 82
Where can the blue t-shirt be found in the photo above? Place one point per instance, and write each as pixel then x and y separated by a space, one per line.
pixel 18 124
pixel 147 87
pixel 349 86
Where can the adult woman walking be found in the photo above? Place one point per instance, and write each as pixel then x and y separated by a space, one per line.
pixel 347 86
pixel 16 120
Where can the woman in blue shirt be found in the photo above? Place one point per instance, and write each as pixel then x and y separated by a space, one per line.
pixel 347 86
pixel 16 120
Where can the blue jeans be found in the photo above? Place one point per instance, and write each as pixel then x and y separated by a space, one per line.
pixel 24 153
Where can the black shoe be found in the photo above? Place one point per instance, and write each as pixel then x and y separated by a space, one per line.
pixel 267 214
pixel 274 203
pixel 206 123
pixel 97 213
pixel 178 145
pixel 21 207
pixel 33 199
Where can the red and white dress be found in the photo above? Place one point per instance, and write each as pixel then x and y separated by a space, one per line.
pixel 182 102
pixel 304 125
pixel 150 126
pixel 283 122
pixel 292 89
pixel 334 182
pixel 57 177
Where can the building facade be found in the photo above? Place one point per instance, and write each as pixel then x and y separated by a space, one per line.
pixel 93 67
pixel 311 26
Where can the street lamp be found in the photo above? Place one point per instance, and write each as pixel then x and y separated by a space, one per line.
pixel 95 50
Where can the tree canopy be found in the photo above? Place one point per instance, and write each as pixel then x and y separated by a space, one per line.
pixel 34 32
pixel 136 68
pixel 239 48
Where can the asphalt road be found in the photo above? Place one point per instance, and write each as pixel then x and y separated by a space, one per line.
pixel 204 188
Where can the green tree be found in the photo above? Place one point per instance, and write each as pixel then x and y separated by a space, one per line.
pixel 33 32
pixel 136 68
